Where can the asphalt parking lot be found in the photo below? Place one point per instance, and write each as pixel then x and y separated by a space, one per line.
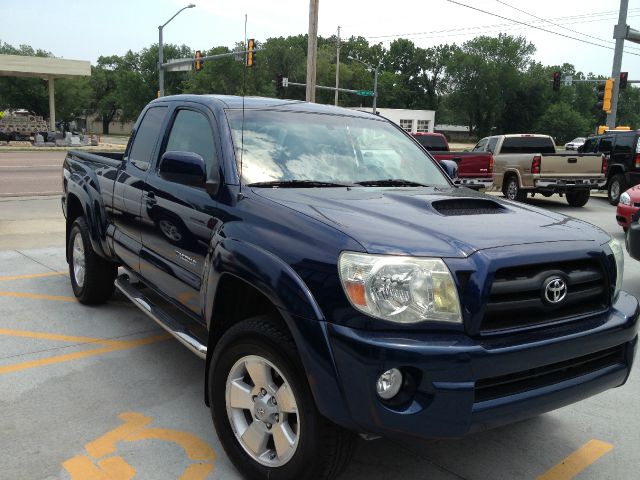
pixel 103 393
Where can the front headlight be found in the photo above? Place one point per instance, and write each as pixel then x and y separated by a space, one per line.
pixel 625 199
pixel 400 289
pixel 618 255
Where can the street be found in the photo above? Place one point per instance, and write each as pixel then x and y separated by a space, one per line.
pixel 30 173
pixel 88 390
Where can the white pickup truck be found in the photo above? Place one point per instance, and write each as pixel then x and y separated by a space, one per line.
pixel 528 163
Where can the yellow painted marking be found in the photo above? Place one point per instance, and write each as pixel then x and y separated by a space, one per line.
pixel 135 429
pixel 112 346
pixel 577 461
pixel 37 296
pixel 51 336
pixel 8 278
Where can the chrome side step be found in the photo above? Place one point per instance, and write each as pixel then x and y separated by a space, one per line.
pixel 181 333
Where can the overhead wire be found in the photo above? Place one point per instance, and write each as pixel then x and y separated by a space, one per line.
pixel 536 27
pixel 560 26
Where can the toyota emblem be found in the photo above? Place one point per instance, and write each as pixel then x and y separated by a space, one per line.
pixel 555 290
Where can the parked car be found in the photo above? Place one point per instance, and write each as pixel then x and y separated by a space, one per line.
pixel 337 282
pixel 621 149
pixel 575 143
pixel 475 169
pixel 528 164
pixel 628 207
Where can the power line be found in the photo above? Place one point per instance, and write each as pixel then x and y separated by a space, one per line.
pixel 536 27
pixel 557 25
pixel 484 27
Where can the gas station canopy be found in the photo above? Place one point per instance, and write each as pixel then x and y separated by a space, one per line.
pixel 46 68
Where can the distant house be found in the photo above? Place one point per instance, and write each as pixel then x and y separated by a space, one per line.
pixel 458 133
pixel 413 121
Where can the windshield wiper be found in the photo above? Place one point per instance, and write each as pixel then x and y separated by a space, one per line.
pixel 391 182
pixel 297 183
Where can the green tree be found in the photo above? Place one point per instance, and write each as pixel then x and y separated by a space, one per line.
pixel 563 123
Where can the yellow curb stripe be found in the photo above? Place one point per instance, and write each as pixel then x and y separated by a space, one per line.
pixel 31 275
pixel 37 296
pixel 577 461
pixel 113 347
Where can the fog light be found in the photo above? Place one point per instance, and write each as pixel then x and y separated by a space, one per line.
pixel 389 383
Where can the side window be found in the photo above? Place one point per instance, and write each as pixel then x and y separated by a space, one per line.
pixel 480 146
pixel 606 145
pixel 624 143
pixel 146 137
pixel 491 147
pixel 589 146
pixel 191 132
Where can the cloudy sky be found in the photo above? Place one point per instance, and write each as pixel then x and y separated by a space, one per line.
pixel 86 29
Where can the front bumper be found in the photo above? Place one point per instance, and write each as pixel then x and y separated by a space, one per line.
pixel 449 368
pixel 624 214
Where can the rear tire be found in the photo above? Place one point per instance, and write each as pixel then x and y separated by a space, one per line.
pixel 617 186
pixel 320 450
pixel 512 191
pixel 91 275
pixel 578 198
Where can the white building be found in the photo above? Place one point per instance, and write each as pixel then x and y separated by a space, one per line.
pixel 413 121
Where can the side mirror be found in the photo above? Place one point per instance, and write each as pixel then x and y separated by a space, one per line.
pixel 187 168
pixel 450 167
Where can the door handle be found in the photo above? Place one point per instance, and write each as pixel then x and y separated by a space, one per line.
pixel 150 198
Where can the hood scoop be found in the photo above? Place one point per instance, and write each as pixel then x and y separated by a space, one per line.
pixel 467 206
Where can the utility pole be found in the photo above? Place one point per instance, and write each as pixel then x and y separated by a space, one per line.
pixel 161 50
pixel 312 50
pixel 338 45
pixel 375 89
pixel 619 33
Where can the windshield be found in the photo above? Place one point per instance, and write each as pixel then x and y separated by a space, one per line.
pixel 577 140
pixel 296 146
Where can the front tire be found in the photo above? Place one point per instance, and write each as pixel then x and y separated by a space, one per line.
pixel 578 198
pixel 263 409
pixel 617 185
pixel 91 276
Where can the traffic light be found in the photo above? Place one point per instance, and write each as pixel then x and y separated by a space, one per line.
pixel 605 93
pixel 556 81
pixel 199 62
pixel 624 76
pixel 279 83
pixel 251 56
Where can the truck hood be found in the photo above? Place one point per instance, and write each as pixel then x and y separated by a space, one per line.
pixel 431 222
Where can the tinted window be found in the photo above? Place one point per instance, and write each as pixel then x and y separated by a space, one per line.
pixel 480 146
pixel 590 145
pixel 280 146
pixel 528 145
pixel 432 142
pixel 624 144
pixel 605 145
pixel 191 132
pixel 146 137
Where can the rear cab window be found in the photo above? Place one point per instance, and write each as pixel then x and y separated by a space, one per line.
pixel 528 145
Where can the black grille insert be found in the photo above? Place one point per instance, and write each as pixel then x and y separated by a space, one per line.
pixel 516 299
pixel 505 385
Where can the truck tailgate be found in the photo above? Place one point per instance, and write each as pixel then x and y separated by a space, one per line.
pixel 470 164
pixel 567 165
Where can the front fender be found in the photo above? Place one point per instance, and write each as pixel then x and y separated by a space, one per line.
pixel 277 281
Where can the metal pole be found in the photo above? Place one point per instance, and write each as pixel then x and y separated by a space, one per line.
pixel 337 69
pixel 312 50
pixel 375 89
pixel 160 57
pixel 617 62
pixel 52 104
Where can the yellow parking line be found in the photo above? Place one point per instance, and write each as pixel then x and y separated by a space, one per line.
pixel 51 336
pixel 37 296
pixel 31 275
pixel 577 461
pixel 113 346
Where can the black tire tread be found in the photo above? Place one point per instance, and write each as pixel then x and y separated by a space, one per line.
pixel 578 198
pixel 338 444
pixel 620 178
pixel 99 273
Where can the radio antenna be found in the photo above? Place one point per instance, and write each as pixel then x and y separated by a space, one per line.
pixel 244 88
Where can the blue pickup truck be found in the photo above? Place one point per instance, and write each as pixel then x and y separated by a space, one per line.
pixel 336 282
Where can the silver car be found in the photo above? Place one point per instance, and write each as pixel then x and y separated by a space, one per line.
pixel 575 143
